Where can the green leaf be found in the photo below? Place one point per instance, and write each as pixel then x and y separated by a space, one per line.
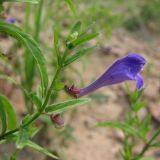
pixel 3 56
pixel 9 79
pixel 78 55
pixel 81 40
pixel 27 118
pixel 40 149
pixel 74 33
pixel 13 157
pixel 29 69
pixel 32 47
pixel 146 158
pixel 29 1
pixel 136 95
pixel 76 27
pixel 3 118
pixel 123 126
pixel 56 45
pixel 35 100
pixel 13 82
pixel 146 125
pixel 1 7
pixel 11 115
pixel 23 138
pixel 63 106
pixel 156 144
pixel 71 6
pixel 138 105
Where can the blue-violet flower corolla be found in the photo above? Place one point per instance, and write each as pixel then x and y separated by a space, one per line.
pixel 10 20
pixel 126 68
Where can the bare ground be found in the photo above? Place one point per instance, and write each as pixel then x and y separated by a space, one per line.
pixel 89 141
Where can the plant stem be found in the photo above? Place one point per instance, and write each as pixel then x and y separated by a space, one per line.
pixel 38 17
pixel 27 16
pixel 29 61
pixel 1 7
pixel 146 147
pixel 36 115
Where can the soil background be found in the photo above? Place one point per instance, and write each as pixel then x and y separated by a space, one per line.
pixel 90 142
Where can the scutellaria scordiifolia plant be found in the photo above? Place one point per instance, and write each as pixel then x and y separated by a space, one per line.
pixel 37 96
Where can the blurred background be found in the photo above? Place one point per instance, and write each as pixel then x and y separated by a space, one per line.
pixel 124 27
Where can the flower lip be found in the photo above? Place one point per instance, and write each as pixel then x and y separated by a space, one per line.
pixel 136 58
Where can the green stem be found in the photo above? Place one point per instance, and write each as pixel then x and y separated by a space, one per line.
pixel 40 111
pixel 1 7
pixel 64 56
pixel 147 146
pixel 29 61
pixel 38 16
pixel 36 115
pixel 27 16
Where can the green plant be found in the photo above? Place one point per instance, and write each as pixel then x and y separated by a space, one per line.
pixel 135 129
pixel 37 96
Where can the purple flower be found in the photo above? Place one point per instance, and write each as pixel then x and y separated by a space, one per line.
pixel 10 20
pixel 126 68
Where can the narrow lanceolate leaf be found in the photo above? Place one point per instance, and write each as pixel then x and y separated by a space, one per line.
pixel 32 47
pixel 9 79
pixel 71 6
pixel 145 126
pixel 125 127
pixel 85 38
pixel 3 119
pixel 14 82
pixel 40 149
pixel 76 27
pixel 138 105
pixel 77 55
pixel 146 158
pixel 81 40
pixel 74 32
pixel 156 144
pixel 35 100
pixel 56 45
pixel 10 113
pixel 29 1
pixel 23 138
pixel 61 107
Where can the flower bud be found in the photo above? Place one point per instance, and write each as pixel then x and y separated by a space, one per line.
pixel 57 120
